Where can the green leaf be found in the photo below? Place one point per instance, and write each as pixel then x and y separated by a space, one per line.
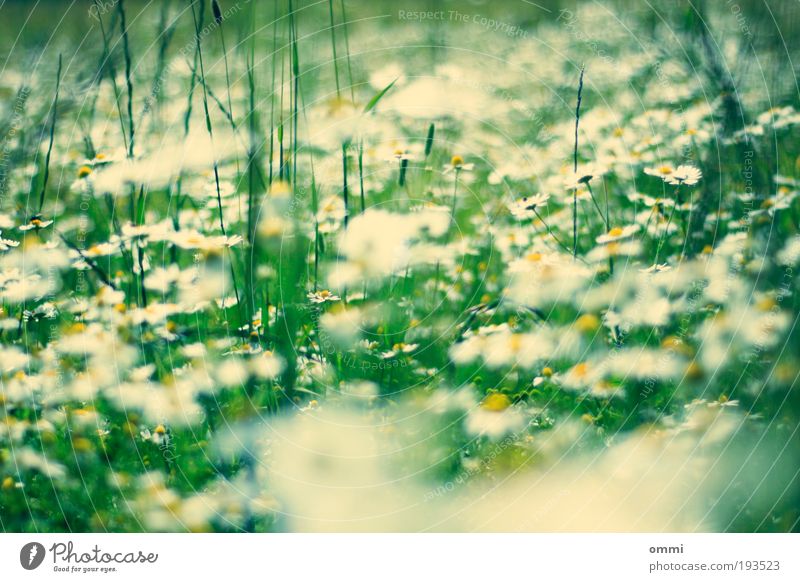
pixel 378 96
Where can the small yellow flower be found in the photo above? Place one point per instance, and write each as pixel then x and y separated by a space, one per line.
pixel 8 483
pixel 457 161
pixel 547 371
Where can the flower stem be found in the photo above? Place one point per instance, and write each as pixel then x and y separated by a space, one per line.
pixel 575 169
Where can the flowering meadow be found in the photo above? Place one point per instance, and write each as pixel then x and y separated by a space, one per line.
pixel 399 266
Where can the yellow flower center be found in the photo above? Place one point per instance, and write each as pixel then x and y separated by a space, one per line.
pixel 280 188
pixel 496 402
pixel 766 304
pixel 534 257
pixel 82 444
pixel 616 231
pixel 457 161
pixel 587 322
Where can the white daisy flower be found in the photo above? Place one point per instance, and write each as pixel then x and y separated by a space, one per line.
pixel 618 233
pixel 684 175
pixel 525 207
pixel 322 296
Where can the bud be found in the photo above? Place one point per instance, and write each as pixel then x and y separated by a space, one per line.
pixel 217 11
pixel 429 140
